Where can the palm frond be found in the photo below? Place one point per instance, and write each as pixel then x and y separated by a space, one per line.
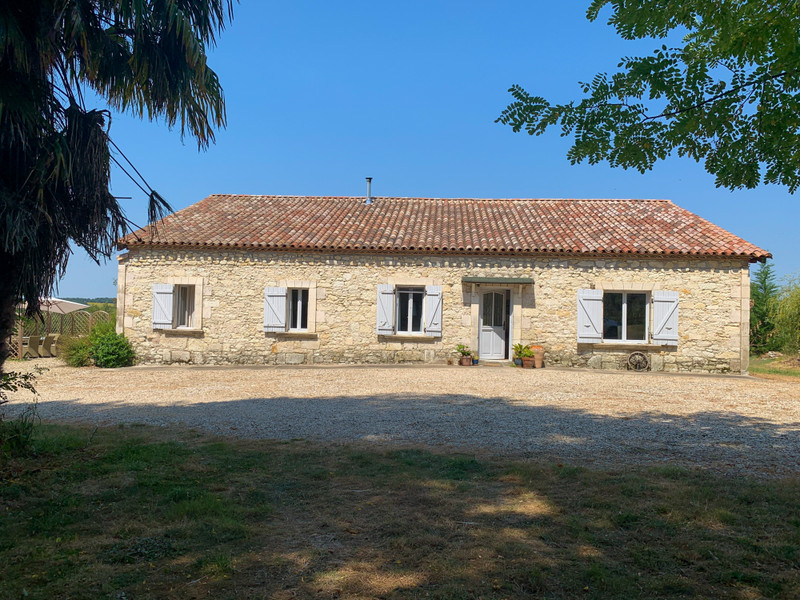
pixel 144 56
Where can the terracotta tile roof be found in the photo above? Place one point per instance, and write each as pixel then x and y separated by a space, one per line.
pixel 444 226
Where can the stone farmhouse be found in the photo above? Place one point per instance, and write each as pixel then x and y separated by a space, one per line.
pixel 302 280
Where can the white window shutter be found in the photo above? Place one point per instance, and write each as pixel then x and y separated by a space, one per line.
pixel 163 294
pixel 590 316
pixel 665 317
pixel 433 310
pixel 275 309
pixel 385 319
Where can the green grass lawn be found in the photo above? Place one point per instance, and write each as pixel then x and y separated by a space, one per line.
pixel 142 512
pixel 774 366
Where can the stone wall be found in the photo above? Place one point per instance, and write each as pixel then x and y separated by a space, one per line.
pixel 713 307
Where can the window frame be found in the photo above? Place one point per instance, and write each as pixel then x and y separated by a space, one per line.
pixel 197 317
pixel 285 287
pixel 623 339
pixel 413 291
pixel 183 306
pixel 302 305
pixel 431 313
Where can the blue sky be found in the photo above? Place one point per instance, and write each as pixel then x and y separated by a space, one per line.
pixel 320 95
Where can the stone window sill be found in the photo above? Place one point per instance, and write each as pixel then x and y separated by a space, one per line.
pixel 294 335
pixel 182 331
pixel 418 337
pixel 633 346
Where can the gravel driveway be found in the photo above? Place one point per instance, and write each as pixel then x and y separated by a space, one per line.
pixel 727 424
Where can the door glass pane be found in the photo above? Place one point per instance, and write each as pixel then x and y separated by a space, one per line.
pixel 487 309
pixel 416 312
pixel 612 316
pixel 499 306
pixel 402 311
pixel 636 319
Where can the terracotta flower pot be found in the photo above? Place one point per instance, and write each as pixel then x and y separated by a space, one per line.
pixel 527 362
pixel 465 361
pixel 538 356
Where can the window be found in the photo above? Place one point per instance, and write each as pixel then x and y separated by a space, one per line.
pixel 625 316
pixel 409 310
pixel 184 306
pixel 290 307
pixel 178 304
pixel 298 309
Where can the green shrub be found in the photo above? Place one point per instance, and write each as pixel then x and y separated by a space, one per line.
pixel 787 316
pixel 103 347
pixel 764 295
pixel 111 350
pixel 76 351
pixel 102 329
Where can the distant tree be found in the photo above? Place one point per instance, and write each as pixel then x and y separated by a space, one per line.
pixel 146 57
pixel 728 94
pixel 763 296
pixel 787 315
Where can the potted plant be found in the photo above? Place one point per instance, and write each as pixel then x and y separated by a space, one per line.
pixel 466 355
pixel 527 358
pixel 538 355
pixel 474 358
pixel 518 350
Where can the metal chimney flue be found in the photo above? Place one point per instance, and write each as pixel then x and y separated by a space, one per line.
pixel 369 191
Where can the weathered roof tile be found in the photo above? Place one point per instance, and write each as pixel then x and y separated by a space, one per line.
pixel 436 225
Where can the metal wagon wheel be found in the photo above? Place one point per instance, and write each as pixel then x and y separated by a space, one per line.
pixel 638 361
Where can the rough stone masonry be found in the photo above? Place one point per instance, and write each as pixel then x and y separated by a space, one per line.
pixel 713 327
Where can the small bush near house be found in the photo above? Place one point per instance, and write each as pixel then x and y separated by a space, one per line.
pixel 103 347
pixel 110 350
pixel 76 351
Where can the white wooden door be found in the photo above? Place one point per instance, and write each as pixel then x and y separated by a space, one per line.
pixel 492 343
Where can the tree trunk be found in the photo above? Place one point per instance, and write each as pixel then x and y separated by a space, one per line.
pixel 8 303
pixel 7 319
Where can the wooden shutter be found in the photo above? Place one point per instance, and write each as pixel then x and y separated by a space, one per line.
pixel 163 294
pixel 590 316
pixel 274 309
pixel 433 310
pixel 665 318
pixel 385 319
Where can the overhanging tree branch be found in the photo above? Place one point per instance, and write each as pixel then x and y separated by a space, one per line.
pixel 727 93
pixel 757 42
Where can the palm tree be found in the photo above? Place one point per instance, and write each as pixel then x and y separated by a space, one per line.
pixel 147 57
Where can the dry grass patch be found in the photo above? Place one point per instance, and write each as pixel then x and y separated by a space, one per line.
pixel 154 513
pixel 781 369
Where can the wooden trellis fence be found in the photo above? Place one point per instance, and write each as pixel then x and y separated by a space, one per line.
pixel 74 324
